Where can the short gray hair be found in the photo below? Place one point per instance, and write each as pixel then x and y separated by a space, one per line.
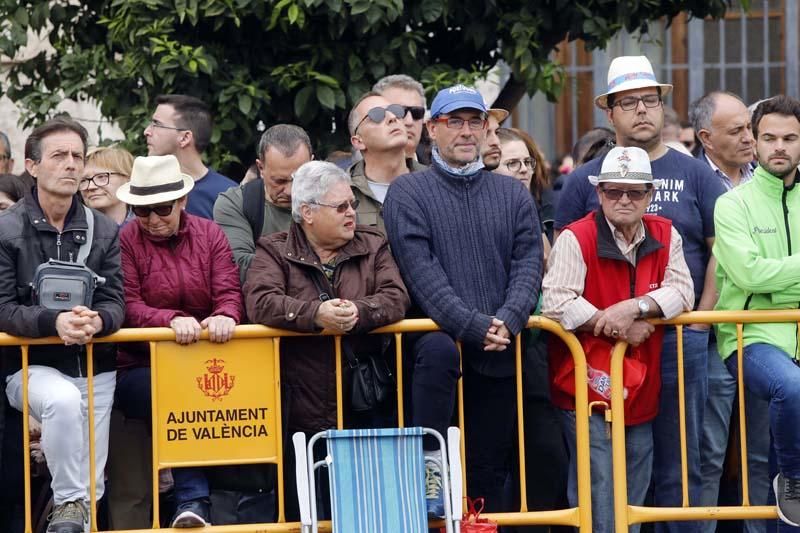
pixel 6 143
pixel 702 109
pixel 312 181
pixel 400 81
pixel 285 138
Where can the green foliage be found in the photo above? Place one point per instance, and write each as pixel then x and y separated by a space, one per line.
pixel 302 61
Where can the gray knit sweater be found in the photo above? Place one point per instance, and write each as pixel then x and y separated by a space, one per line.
pixel 468 248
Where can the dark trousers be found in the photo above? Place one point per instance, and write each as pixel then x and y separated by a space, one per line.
pixel 490 413
pixel 432 359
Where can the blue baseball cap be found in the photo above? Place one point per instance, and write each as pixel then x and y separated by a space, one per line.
pixel 457 97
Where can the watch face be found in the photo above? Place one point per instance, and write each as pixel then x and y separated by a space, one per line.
pixel 643 306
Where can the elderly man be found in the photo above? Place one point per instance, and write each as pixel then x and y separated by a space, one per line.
pixel 608 272
pixel 490 149
pixel 263 206
pixel 722 123
pixel 634 106
pixel 757 227
pixel 409 93
pixel 53 224
pixel 377 131
pixel 182 126
pixel 468 244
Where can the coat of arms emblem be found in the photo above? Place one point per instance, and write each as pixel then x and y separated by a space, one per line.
pixel 215 383
pixel 624 159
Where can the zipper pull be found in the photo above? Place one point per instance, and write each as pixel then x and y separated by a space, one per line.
pixel 58 246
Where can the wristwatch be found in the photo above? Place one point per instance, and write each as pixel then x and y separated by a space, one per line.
pixel 644 307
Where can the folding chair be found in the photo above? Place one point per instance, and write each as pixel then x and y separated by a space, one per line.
pixel 377 480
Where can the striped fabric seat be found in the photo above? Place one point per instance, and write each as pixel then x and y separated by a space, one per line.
pixel 377 479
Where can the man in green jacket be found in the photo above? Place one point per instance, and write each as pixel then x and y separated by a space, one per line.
pixel 756 269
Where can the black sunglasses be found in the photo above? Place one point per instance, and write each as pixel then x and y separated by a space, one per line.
pixel 417 112
pixel 162 210
pixel 377 114
pixel 616 194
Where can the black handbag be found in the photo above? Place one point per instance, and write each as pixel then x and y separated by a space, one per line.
pixel 372 382
pixel 372 379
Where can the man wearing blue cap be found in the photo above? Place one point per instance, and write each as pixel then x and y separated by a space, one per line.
pixel 468 245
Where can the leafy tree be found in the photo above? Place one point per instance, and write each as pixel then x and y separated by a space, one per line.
pixel 302 61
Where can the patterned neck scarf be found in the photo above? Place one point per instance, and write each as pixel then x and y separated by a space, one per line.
pixel 467 170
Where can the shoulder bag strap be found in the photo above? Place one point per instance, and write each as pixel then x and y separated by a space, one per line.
pixel 86 247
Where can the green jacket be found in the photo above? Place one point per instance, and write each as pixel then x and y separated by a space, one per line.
pixel 758 267
pixel 370 210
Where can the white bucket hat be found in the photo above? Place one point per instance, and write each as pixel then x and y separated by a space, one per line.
pixel 154 180
pixel 625 165
pixel 630 72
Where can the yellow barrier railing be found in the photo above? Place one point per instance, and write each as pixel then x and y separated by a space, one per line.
pixel 579 517
pixel 625 514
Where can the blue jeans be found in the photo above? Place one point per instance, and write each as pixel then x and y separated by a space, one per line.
pixel 716 424
pixel 639 453
pixel 771 375
pixel 666 429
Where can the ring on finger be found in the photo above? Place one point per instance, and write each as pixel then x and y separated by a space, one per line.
pixel 615 333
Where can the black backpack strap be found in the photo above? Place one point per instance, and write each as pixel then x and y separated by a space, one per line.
pixel 253 205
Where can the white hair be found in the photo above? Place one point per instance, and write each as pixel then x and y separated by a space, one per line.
pixel 312 181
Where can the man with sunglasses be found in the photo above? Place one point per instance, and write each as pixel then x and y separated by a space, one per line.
pixel 468 245
pixel 51 223
pixel 633 105
pixel 409 93
pixel 182 126
pixel 377 131
pixel 607 273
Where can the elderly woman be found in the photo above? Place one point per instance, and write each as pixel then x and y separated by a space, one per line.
pixel 324 273
pixel 179 273
pixel 107 168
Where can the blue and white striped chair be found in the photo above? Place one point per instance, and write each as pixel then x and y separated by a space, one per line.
pixel 377 480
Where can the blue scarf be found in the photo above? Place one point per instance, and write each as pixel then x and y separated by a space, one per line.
pixel 467 170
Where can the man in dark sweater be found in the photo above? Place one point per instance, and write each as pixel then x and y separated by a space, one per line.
pixel 469 249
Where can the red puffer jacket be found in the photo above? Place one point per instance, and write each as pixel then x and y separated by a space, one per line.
pixel 191 273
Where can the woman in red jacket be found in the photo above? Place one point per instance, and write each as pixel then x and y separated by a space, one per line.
pixel 179 273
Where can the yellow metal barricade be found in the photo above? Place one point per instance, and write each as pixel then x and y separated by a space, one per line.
pixel 219 404
pixel 626 514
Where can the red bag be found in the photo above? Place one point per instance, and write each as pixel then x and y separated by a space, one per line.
pixel 471 522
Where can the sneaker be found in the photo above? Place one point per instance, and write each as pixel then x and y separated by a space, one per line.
pixel 193 513
pixel 434 499
pixel 69 517
pixel 787 496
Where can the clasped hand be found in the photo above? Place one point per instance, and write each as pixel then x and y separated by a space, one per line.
pixel 78 325
pixel 337 314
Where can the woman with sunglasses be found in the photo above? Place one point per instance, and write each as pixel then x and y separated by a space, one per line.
pixel 107 167
pixel 325 273
pixel 179 273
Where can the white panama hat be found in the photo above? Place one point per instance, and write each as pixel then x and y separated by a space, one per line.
pixel 625 165
pixel 154 180
pixel 630 72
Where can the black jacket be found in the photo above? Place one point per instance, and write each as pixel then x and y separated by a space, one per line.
pixel 26 241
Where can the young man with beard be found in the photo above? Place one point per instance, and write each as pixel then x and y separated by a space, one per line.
pixel 758 224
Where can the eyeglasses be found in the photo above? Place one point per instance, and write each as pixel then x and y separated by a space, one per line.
pixel 162 210
pixel 514 165
pixel 377 114
pixel 342 207
pixel 417 112
pixel 629 103
pixel 157 124
pixel 100 179
pixel 456 123
pixel 633 195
